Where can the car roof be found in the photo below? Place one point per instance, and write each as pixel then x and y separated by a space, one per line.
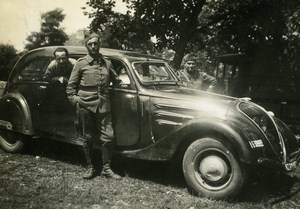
pixel 81 50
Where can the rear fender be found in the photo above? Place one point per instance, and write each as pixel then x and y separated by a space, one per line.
pixel 15 114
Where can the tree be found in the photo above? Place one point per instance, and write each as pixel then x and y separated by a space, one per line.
pixel 207 27
pixel 77 38
pixel 8 57
pixel 51 33
pixel 267 31
pixel 174 23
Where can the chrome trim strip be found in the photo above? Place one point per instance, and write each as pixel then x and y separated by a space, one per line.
pixel 172 114
pixel 160 106
pixel 167 122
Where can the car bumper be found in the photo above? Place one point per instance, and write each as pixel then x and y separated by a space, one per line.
pixel 291 165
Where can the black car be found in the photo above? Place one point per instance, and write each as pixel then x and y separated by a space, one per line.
pixel 220 140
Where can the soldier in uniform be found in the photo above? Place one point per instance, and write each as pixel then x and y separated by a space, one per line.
pixel 88 90
pixel 195 78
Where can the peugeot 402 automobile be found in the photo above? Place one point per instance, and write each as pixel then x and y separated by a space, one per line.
pixel 219 140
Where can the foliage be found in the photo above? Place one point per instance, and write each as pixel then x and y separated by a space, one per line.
pixel 8 57
pixel 76 39
pixel 266 30
pixel 51 33
pixel 118 30
pixel 241 26
pixel 173 24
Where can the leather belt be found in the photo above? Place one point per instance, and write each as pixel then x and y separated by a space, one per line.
pixel 88 88
pixel 94 89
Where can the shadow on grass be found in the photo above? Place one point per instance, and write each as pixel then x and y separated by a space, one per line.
pixel 272 189
pixel 55 150
pixel 158 172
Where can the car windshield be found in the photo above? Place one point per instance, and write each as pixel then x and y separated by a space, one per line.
pixel 154 72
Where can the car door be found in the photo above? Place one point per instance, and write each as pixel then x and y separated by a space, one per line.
pixel 125 109
pixel 52 114
pixel 56 115
pixel 26 80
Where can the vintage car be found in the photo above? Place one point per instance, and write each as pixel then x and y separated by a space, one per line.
pixel 220 140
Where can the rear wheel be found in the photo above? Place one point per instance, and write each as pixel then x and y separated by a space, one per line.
pixel 11 142
pixel 211 169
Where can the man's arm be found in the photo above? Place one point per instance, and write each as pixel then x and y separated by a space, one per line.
pixel 50 71
pixel 73 84
pixel 52 74
pixel 211 83
pixel 209 79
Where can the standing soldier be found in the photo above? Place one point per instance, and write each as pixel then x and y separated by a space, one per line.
pixel 88 90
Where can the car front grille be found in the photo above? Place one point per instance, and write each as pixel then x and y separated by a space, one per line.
pixel 266 124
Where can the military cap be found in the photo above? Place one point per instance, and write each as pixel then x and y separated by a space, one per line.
pixel 189 57
pixel 89 35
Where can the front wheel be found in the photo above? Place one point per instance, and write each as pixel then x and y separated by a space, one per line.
pixel 11 142
pixel 211 169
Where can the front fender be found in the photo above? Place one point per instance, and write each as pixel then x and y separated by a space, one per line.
pixel 166 147
pixel 15 114
pixel 227 133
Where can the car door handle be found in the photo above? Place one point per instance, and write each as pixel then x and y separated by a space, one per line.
pixel 129 96
pixel 42 87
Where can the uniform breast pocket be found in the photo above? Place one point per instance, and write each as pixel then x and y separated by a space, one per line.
pixel 91 77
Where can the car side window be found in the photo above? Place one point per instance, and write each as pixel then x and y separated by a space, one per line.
pixel 148 71
pixel 120 69
pixel 33 70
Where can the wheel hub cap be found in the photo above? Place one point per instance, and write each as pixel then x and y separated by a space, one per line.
pixel 213 168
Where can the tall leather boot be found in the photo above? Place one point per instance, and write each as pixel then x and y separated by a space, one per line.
pixel 90 172
pixel 106 160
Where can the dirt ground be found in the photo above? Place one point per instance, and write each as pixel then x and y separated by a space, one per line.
pixel 48 175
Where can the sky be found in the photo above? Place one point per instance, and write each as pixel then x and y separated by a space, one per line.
pixel 18 18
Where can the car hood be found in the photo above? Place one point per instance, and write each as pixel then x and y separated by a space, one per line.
pixel 178 99
pixel 191 95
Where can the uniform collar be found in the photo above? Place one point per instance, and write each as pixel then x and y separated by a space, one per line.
pixel 90 59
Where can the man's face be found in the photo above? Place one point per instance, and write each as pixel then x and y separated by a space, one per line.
pixel 93 46
pixel 61 58
pixel 190 65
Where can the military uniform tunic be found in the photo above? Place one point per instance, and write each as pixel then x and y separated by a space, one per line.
pixel 198 80
pixel 89 81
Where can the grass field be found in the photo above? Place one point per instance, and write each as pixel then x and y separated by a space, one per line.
pixel 49 176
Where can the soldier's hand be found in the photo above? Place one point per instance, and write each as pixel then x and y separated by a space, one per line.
pixel 61 79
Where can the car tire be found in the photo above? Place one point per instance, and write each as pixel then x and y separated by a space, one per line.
pixel 11 142
pixel 211 170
